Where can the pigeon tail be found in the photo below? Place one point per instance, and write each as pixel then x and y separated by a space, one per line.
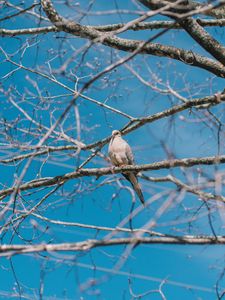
pixel 131 177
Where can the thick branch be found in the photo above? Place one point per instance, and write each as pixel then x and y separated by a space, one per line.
pixel 9 250
pixel 187 8
pixel 165 164
pixel 191 26
pixel 204 39
pixel 83 31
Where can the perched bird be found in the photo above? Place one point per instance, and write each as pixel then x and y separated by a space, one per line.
pixel 120 155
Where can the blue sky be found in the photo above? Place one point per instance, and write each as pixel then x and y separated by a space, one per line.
pixel 190 272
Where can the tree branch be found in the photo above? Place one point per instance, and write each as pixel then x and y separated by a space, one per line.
pixel 9 250
pixel 112 27
pixel 181 185
pixel 136 123
pixel 190 25
pixel 204 39
pixel 165 164
pixel 96 36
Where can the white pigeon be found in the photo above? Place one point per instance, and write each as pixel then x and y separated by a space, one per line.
pixel 120 155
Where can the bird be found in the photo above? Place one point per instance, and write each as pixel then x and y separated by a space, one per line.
pixel 120 154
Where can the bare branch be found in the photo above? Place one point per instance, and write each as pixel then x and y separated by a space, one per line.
pixel 166 164
pixel 112 27
pixel 9 250
pixel 131 45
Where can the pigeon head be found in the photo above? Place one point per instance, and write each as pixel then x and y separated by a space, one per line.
pixel 116 133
